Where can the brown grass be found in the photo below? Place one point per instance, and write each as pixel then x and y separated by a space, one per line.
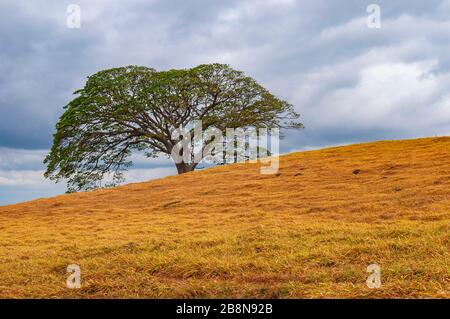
pixel 231 232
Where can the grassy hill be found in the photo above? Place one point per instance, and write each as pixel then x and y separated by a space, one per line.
pixel 310 231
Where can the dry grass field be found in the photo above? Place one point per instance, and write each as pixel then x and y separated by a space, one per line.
pixel 308 232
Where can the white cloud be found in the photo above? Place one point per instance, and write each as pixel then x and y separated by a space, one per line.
pixel 22 168
pixel 21 178
pixel 21 159
pixel 140 175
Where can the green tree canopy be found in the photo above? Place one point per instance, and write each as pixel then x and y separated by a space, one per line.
pixel 135 108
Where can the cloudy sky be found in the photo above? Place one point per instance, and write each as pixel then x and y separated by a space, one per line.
pixel 351 83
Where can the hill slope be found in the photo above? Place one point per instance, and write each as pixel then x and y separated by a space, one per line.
pixel 310 231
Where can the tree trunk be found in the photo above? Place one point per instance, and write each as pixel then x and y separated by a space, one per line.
pixel 184 168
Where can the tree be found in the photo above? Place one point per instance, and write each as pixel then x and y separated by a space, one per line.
pixel 135 108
